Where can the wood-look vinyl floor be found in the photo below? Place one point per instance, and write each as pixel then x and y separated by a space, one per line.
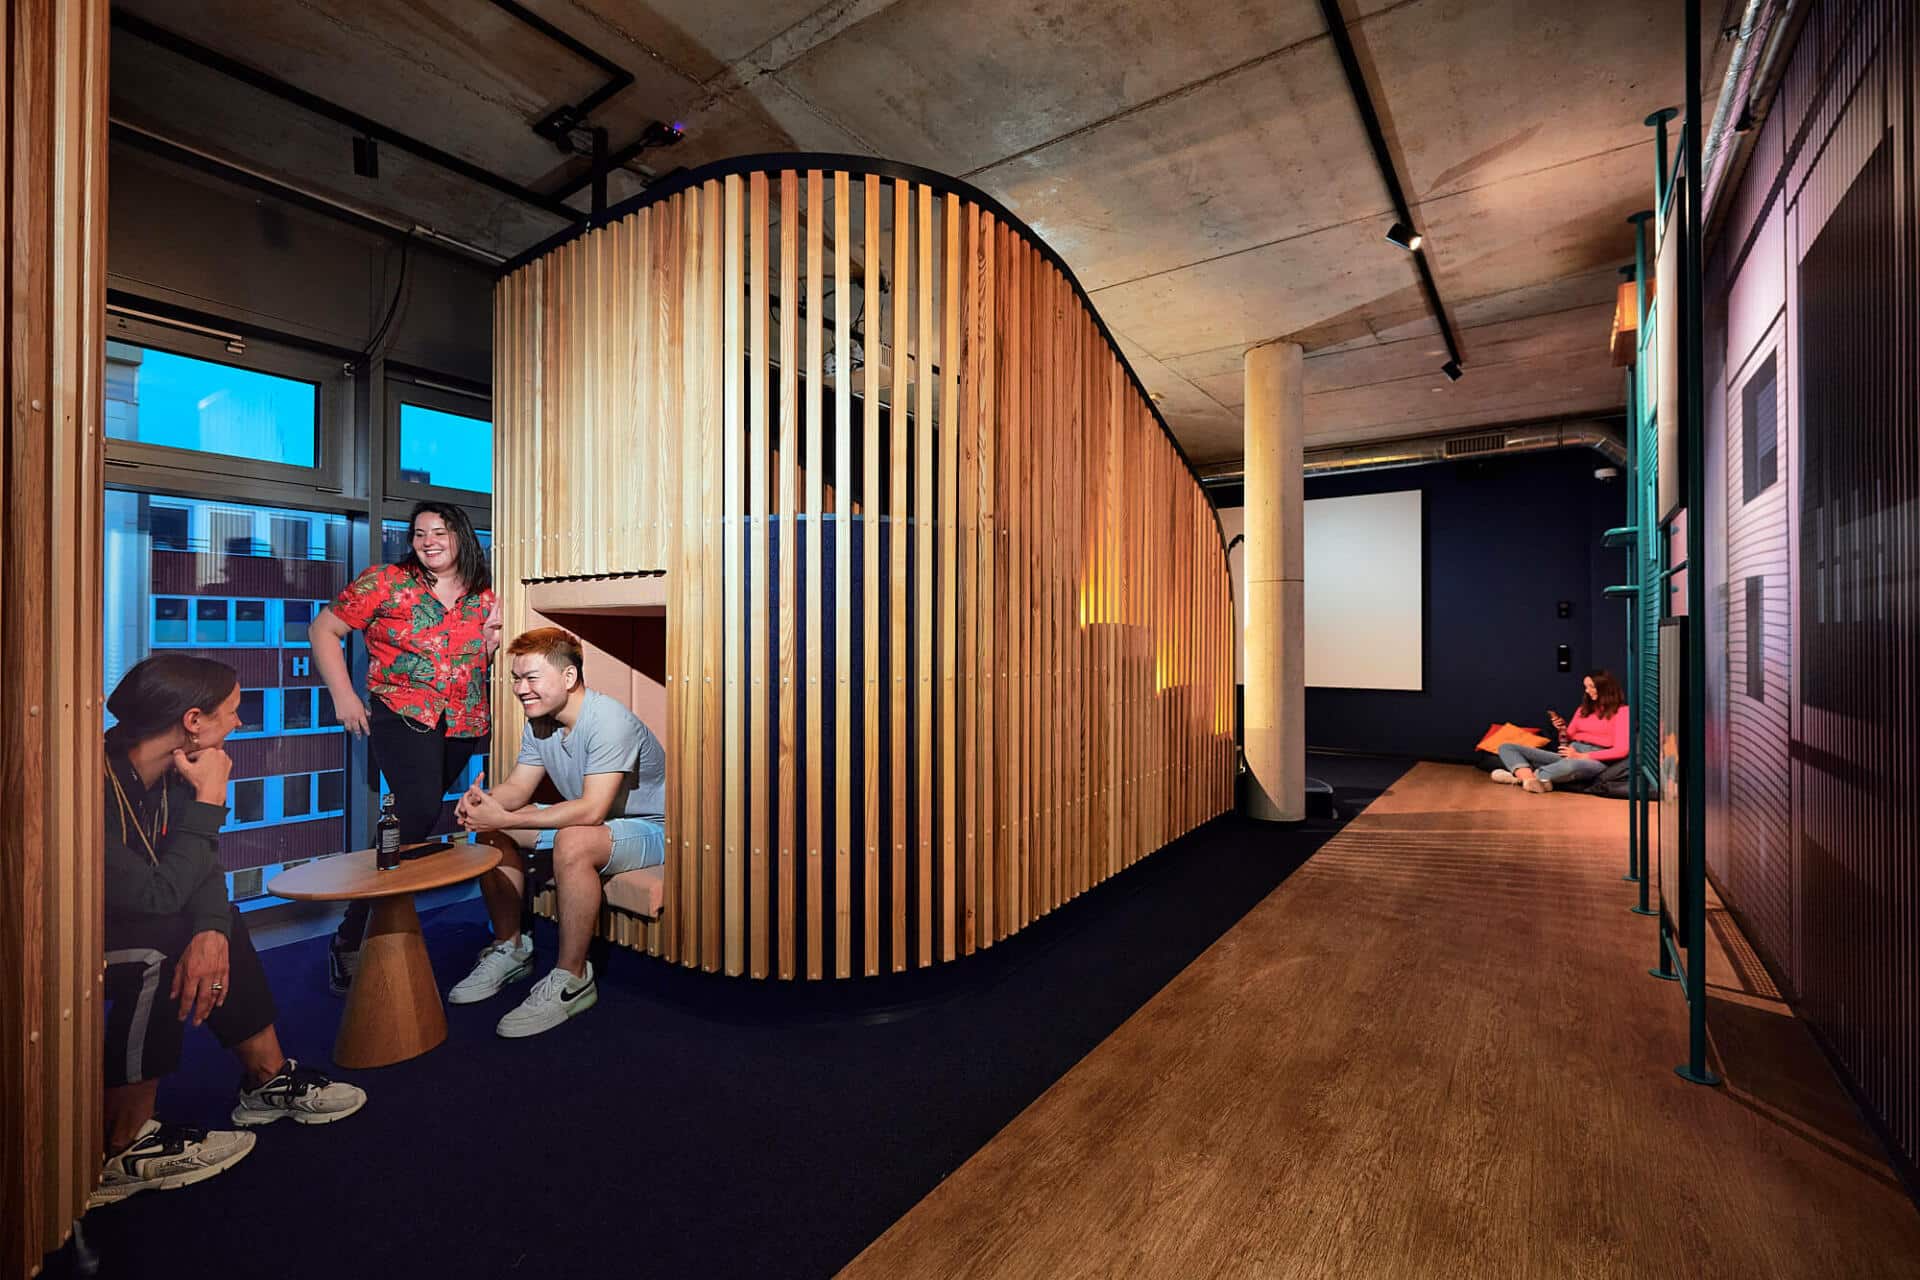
pixel 1432 1051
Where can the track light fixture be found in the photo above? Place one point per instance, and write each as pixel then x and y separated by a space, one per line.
pixel 1404 236
pixel 661 134
pixel 1452 369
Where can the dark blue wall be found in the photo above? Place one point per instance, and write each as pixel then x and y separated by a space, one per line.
pixel 1506 540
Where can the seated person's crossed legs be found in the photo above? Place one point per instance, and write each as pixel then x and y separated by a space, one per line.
pixel 610 772
pixel 583 857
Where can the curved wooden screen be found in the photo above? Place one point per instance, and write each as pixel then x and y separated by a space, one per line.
pixel 947 635
pixel 53 54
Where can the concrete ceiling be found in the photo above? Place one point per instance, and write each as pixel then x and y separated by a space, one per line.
pixel 1199 163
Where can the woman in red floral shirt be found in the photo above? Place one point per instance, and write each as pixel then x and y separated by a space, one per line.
pixel 431 625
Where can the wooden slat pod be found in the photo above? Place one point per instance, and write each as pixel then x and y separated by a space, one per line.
pixel 1037 679
pixel 54 57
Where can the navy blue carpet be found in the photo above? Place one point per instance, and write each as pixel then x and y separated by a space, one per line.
pixel 690 1125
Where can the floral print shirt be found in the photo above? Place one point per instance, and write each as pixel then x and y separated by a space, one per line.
pixel 423 660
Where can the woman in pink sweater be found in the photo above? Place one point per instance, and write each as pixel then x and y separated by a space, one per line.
pixel 1599 734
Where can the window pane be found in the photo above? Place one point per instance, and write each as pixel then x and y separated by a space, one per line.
pixel 249 800
pixel 210 622
pixel 249 621
pixel 170 528
pixel 333 792
pixel 445 449
pixel 394 539
pixel 169 621
pixel 156 397
pixel 296 795
pixel 324 715
pixel 292 539
pixel 154 596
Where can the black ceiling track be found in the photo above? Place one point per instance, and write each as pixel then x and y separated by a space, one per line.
pixel 558 125
pixel 257 79
pixel 1383 158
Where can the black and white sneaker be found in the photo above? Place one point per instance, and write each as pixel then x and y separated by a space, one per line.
pixel 553 1000
pixel 165 1156
pixel 300 1092
pixel 342 964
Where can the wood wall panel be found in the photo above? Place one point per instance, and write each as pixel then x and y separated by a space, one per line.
pixel 945 650
pixel 53 190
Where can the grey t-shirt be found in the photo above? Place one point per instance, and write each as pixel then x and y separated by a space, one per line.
pixel 606 738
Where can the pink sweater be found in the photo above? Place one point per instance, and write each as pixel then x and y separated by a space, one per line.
pixel 1612 736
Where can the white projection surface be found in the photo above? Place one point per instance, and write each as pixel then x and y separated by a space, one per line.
pixel 1363 591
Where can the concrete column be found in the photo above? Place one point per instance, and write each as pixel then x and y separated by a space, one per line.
pixel 1275 638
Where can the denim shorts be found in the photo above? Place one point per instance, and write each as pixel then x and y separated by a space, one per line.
pixel 637 843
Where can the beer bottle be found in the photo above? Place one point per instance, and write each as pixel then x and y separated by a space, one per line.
pixel 387 839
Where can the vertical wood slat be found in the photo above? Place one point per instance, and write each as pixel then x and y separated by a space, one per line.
pixel 993 609
pixel 1017 613
pixel 1021 541
pixel 966 425
pixel 789 461
pixel 948 500
pixel 816 229
pixel 842 582
pixel 52 187
pixel 870 566
pixel 897 454
pixel 732 512
pixel 705 374
pixel 923 520
pixel 758 585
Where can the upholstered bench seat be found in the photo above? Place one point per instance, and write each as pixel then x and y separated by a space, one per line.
pixel 640 893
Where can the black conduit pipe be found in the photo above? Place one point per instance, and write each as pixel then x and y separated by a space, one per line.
pixel 254 78
pixel 1370 120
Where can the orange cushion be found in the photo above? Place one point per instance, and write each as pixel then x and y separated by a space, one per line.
pixel 640 892
pixel 1503 733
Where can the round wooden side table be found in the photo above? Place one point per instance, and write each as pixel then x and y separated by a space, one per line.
pixel 393 1009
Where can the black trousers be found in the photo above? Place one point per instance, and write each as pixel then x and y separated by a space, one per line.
pixel 420 767
pixel 144 1028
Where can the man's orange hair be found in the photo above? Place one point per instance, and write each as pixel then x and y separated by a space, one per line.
pixel 561 648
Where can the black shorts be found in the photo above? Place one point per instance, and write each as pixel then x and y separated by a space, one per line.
pixel 144 1027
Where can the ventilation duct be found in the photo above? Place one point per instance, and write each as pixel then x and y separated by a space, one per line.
pixel 1416 451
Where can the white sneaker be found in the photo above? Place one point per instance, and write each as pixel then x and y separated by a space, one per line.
pixel 301 1092
pixel 499 964
pixel 1537 784
pixel 553 1000
pixel 1503 775
pixel 165 1156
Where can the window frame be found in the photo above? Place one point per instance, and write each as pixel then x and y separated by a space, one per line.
pixel 403 494
pixel 1765 367
pixel 196 471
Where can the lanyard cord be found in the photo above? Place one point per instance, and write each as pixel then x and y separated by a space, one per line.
pixel 128 811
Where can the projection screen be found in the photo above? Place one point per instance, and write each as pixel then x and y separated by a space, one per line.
pixel 1363 591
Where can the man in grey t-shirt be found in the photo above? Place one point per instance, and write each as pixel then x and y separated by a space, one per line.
pixel 611 774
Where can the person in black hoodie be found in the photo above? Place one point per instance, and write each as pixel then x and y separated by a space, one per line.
pixel 177 951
